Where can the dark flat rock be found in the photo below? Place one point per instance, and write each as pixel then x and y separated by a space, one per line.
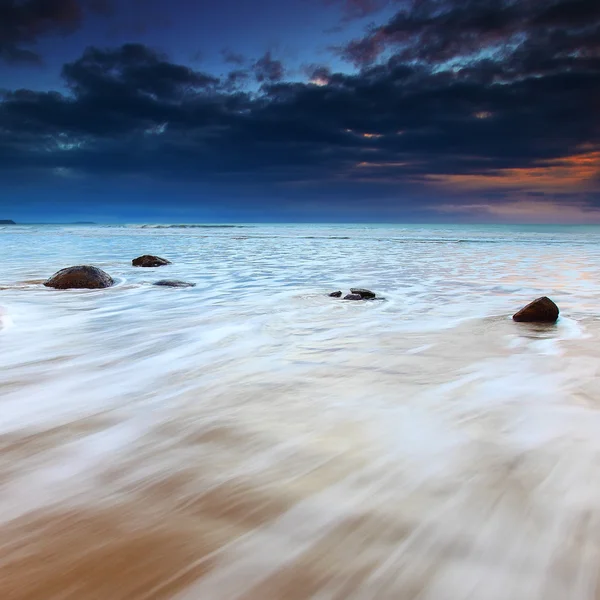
pixel 174 283
pixel 148 260
pixel 335 295
pixel 353 297
pixel 542 310
pixel 364 294
pixel 80 277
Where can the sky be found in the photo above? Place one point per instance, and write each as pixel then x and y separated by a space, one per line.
pixel 300 111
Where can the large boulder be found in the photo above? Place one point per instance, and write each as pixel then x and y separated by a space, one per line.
pixel 150 261
pixel 542 310
pixel 174 283
pixel 353 297
pixel 364 294
pixel 83 276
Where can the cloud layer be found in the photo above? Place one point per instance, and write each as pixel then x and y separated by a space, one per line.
pixel 24 22
pixel 455 104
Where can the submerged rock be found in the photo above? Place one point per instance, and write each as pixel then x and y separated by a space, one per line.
pixel 335 295
pixel 150 261
pixel 542 310
pixel 80 277
pixel 353 297
pixel 364 294
pixel 174 283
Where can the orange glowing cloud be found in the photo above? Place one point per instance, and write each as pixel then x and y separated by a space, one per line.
pixel 527 211
pixel 366 135
pixel 381 165
pixel 570 173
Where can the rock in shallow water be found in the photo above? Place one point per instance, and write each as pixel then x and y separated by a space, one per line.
pixel 150 261
pixel 542 310
pixel 174 283
pixel 353 297
pixel 80 277
pixel 335 295
pixel 365 294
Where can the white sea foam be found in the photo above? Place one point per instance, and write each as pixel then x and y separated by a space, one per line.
pixel 296 445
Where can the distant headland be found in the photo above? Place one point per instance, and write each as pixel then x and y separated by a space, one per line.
pixel 11 222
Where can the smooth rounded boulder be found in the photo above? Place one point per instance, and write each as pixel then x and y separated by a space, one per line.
pixel 542 310
pixel 150 261
pixel 364 294
pixel 335 295
pixel 174 283
pixel 80 277
pixel 353 297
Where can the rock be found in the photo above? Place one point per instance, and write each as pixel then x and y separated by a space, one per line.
pixel 353 297
pixel 364 294
pixel 150 261
pixel 542 310
pixel 335 295
pixel 83 276
pixel 174 283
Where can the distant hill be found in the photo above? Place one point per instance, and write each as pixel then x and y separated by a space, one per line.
pixel 7 222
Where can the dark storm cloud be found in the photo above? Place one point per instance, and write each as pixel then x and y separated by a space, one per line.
pixel 23 22
pixel 266 68
pixel 236 79
pixel 519 120
pixel 132 69
pixel 435 31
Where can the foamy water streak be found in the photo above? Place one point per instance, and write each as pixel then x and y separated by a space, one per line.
pixel 252 438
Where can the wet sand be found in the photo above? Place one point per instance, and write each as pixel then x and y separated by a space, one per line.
pixel 434 465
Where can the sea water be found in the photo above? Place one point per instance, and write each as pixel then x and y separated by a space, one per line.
pixel 253 438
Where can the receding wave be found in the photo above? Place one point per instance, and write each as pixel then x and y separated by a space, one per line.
pixel 326 237
pixel 192 226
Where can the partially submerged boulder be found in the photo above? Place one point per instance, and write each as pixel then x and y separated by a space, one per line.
pixel 364 294
pixel 174 283
pixel 148 260
pixel 542 310
pixel 355 294
pixel 80 277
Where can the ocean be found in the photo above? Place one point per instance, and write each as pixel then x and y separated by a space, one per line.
pixel 252 438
